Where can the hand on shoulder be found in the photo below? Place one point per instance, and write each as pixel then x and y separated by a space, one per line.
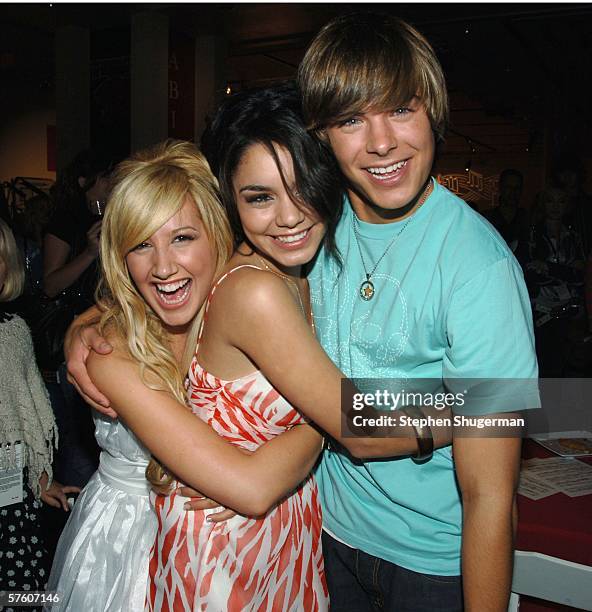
pixel 105 369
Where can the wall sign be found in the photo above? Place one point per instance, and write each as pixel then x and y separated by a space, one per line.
pixel 181 86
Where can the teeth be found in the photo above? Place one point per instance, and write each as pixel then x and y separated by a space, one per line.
pixel 293 238
pixel 175 300
pixel 388 169
pixel 172 287
pixel 170 299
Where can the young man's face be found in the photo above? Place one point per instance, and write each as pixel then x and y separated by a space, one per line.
pixel 385 156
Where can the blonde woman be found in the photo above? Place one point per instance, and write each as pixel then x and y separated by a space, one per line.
pixel 164 238
pixel 28 434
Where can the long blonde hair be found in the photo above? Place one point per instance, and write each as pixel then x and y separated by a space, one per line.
pixel 14 282
pixel 150 188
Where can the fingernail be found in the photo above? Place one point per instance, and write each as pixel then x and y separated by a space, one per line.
pixel 104 346
pixel 209 519
pixel 186 506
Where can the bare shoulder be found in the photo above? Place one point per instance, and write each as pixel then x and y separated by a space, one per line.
pixel 248 290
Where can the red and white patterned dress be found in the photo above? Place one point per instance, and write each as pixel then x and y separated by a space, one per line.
pixel 273 563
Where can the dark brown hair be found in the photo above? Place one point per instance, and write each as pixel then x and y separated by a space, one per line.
pixel 273 116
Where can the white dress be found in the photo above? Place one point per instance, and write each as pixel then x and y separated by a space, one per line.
pixel 101 561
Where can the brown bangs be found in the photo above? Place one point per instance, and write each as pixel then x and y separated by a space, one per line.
pixel 369 86
pixel 362 62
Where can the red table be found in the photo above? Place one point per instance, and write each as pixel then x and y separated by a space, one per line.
pixel 558 525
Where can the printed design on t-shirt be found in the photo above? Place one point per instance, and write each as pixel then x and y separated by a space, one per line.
pixel 378 333
pixel 328 308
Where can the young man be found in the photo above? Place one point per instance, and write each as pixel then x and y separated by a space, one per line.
pixel 428 290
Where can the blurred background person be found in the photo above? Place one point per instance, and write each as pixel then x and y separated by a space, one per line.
pixel 29 229
pixel 4 210
pixel 508 218
pixel 71 243
pixel 28 435
pixel 70 275
pixel 553 261
pixel 569 174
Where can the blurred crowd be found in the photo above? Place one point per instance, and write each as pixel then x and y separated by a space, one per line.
pixel 552 240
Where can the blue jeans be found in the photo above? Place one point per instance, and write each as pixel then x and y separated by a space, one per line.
pixel 359 582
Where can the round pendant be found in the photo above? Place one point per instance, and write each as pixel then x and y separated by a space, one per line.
pixel 367 290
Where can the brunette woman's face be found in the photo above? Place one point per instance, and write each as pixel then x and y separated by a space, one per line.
pixel 173 269
pixel 286 232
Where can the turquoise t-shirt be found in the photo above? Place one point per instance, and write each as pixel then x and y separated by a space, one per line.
pixel 450 302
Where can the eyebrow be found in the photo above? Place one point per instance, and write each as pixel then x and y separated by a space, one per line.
pixel 185 227
pixel 253 188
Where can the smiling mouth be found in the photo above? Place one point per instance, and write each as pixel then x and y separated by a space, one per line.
pixel 293 239
pixel 383 173
pixel 172 294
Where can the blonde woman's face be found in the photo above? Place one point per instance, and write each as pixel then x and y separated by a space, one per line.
pixel 174 268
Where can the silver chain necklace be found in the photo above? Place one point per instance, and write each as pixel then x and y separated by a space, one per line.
pixel 367 290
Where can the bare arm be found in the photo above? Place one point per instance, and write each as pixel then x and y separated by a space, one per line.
pixel 59 275
pixel 248 483
pixel 282 345
pixel 487 470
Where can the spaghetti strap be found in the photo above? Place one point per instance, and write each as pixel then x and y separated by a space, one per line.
pixel 213 290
